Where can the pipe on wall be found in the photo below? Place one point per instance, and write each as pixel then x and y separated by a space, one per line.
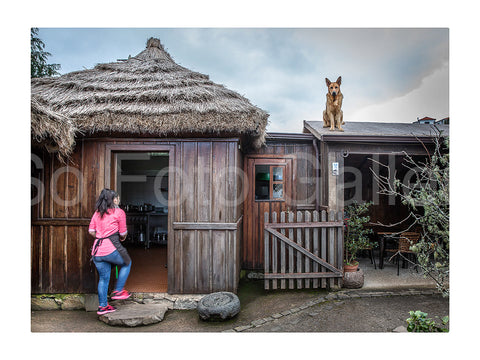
pixel 317 175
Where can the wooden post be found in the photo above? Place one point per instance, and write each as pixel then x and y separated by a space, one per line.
pixel 323 245
pixel 308 218
pixel 291 265
pixel 332 182
pixel 331 244
pixel 274 253
pixel 335 182
pixel 299 255
pixel 267 252
pixel 282 252
pixel 340 246
pixel 315 248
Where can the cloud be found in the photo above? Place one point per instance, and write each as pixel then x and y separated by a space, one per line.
pixel 283 70
pixel 420 102
pixel 377 64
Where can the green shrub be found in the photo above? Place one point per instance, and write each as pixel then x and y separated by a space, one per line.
pixel 356 235
pixel 418 322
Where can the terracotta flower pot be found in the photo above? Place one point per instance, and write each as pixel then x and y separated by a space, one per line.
pixel 350 268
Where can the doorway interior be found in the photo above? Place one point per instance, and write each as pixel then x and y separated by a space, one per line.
pixel 361 185
pixel 142 183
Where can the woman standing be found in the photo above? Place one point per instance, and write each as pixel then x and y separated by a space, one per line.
pixel 109 227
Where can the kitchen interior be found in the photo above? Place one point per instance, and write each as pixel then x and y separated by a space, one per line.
pixel 142 183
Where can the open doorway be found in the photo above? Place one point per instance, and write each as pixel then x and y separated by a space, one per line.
pixel 360 185
pixel 142 183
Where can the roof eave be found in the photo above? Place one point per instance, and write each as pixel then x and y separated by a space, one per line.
pixel 376 139
pixel 337 138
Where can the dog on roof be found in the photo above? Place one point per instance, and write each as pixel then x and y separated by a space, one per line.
pixel 333 115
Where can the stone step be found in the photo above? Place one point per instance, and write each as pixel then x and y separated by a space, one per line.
pixel 134 314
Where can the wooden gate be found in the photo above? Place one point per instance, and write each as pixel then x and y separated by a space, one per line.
pixel 303 250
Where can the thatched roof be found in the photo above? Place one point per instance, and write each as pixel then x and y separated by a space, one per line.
pixel 52 130
pixel 148 94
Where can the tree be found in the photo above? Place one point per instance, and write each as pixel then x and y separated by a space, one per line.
pixel 39 66
pixel 429 202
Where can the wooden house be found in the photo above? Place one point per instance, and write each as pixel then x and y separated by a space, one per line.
pixel 324 172
pixel 206 190
pixel 350 159
pixel 172 140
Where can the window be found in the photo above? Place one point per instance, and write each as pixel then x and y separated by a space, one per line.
pixel 270 182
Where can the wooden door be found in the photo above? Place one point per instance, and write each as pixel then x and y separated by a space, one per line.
pixel 271 180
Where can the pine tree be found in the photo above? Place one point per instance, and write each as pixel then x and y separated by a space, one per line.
pixel 39 66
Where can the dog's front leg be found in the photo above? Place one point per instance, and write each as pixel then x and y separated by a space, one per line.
pixel 326 122
pixel 332 121
pixel 339 120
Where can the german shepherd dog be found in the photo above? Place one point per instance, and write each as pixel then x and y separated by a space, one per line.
pixel 333 115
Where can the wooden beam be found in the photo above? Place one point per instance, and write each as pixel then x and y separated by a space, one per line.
pixel 204 226
pixel 302 275
pixel 61 222
pixel 326 224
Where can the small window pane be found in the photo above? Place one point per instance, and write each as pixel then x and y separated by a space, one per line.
pixel 277 191
pixel 278 174
pixel 262 182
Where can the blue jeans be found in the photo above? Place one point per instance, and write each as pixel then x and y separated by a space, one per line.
pixel 104 267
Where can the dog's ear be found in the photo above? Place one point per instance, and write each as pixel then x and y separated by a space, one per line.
pixel 339 80
pixel 328 82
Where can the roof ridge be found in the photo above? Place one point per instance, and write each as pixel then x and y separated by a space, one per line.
pixel 154 51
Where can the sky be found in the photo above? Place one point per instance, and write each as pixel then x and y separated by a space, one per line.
pixel 388 74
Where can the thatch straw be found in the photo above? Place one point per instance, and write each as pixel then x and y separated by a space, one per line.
pixel 150 94
pixel 52 130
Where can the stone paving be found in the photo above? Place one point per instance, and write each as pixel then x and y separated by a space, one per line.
pixel 340 295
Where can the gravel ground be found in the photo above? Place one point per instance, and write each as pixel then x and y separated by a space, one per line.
pixel 371 314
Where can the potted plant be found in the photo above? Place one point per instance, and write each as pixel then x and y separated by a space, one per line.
pixel 356 236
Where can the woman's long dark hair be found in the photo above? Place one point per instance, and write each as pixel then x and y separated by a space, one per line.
pixel 105 201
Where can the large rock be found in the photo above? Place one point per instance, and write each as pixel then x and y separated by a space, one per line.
pixel 400 329
pixel 73 302
pixel 218 306
pixel 135 315
pixel 353 280
pixel 45 303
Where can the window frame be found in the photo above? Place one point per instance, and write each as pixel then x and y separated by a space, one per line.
pixel 272 182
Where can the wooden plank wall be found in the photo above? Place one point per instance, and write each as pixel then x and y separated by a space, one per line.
pixel 203 260
pixel 60 244
pixel 304 199
pixel 205 252
pixel 305 155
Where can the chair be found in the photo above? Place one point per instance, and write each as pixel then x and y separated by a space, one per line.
pixel 405 241
pixel 372 258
